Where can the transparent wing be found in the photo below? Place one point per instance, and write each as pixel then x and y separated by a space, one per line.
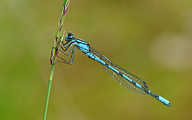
pixel 122 81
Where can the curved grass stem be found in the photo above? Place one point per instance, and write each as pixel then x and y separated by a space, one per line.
pixel 54 53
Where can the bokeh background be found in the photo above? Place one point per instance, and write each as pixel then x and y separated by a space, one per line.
pixel 150 38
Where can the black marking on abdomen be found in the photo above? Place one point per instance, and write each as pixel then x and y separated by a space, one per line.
pixel 120 74
pixel 134 83
pixel 155 95
pixel 106 65
pixel 147 91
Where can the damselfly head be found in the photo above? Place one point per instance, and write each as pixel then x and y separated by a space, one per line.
pixel 69 37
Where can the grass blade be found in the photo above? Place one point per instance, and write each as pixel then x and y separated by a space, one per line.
pixel 58 39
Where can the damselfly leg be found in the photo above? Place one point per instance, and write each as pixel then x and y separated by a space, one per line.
pixel 63 49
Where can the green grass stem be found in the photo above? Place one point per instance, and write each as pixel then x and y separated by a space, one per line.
pixel 57 44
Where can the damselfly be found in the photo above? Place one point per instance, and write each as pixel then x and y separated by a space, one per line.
pixel 123 77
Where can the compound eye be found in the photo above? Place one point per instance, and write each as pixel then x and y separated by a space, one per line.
pixel 70 35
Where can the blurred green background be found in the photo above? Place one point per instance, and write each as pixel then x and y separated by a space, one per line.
pixel 151 38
